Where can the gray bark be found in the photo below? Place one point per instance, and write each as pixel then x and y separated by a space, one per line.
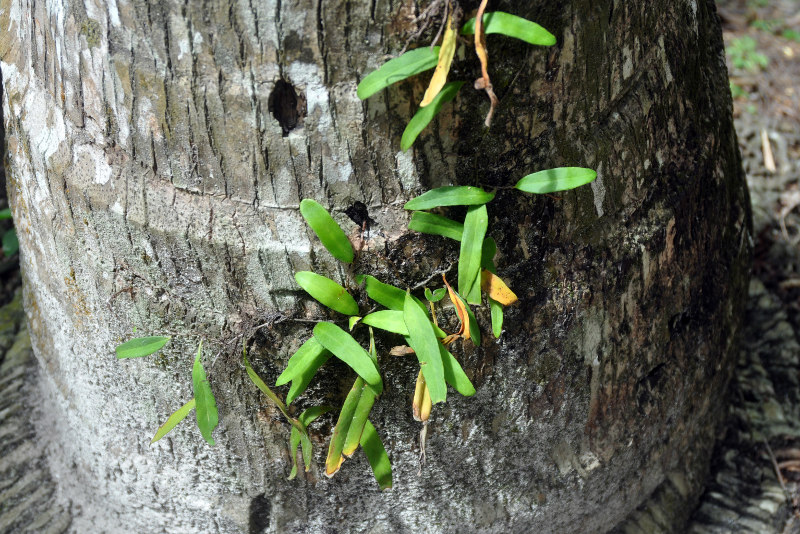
pixel 153 190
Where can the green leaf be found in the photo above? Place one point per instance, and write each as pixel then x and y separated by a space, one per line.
pixel 389 320
pixel 172 421
pixel 307 448
pixel 423 340
pixel 377 457
pixel 297 437
pixel 353 321
pixel 398 69
pixel 393 321
pixel 311 414
pixel 327 292
pixel 425 115
pixel 553 180
pixel 512 26
pixel 206 405
pixel 329 232
pixel 10 243
pixel 429 223
pixel 294 442
pixel 301 360
pixel 301 381
pixel 384 294
pixel 347 349
pixel 487 262
pixel 454 374
pixel 469 261
pixel 356 426
pixel 487 255
pixel 263 387
pixel 335 458
pixel 5 214
pixel 387 295
pixel 497 317
pixel 436 295
pixel 141 346
pixel 459 195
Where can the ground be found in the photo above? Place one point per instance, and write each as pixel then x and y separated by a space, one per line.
pixel 754 480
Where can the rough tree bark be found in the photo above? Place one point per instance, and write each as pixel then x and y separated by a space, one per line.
pixel 153 189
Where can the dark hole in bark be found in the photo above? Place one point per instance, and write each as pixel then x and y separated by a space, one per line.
pixel 259 514
pixel 358 214
pixel 287 106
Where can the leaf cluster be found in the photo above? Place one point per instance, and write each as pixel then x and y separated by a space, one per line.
pixel 404 314
pixel 440 58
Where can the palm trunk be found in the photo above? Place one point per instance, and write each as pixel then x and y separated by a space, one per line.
pixel 155 189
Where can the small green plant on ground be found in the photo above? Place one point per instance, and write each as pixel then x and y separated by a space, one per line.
pixel 404 314
pixel 737 91
pixel 767 25
pixel 791 34
pixel 744 54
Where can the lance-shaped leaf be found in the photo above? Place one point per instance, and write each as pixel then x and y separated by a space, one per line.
pixel 384 294
pixel 393 321
pixel 430 223
pixel 205 403
pixel 335 457
pixel 176 417
pixel 469 261
pixel 347 349
pixel 294 442
pixel 458 195
pixel 301 381
pixel 511 26
pixel 387 295
pixel 305 419
pixel 436 295
pixel 265 389
pixel 329 232
pixel 497 317
pixel 365 403
pixel 141 346
pixel 487 262
pixel 454 374
pixel 553 180
pixel 487 254
pixel 327 292
pixel 423 340
pixel 425 115
pixel 301 360
pixel 446 53
pixel 497 290
pixel 398 69
pixel 377 457
pixel 356 426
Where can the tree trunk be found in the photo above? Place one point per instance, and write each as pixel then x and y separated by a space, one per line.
pixel 154 192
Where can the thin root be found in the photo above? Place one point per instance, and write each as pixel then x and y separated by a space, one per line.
pixel 484 82
pixel 423 434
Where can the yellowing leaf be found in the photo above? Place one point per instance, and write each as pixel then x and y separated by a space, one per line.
pixel 446 53
pixel 493 286
pixel 460 310
pixel 419 393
